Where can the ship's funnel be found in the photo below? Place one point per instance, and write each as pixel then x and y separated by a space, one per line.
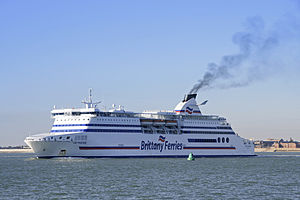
pixel 189 96
pixel 188 106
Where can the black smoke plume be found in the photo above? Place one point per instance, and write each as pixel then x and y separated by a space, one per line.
pixel 257 57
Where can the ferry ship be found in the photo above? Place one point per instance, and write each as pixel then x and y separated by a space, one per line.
pixel 91 132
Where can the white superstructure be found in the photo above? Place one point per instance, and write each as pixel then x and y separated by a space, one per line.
pixel 90 132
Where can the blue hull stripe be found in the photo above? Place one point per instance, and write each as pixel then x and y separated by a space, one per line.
pixel 137 147
pixel 107 125
pixel 207 127
pixel 112 148
pixel 127 125
pixel 150 156
pixel 196 111
pixel 207 132
pixel 232 148
pixel 99 130
pixel 133 131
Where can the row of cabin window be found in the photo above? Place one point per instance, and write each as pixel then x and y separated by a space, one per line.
pixel 77 137
pixel 124 120
pixel 206 127
pixel 76 113
pixel 109 125
pixel 210 140
pixel 71 119
pixel 203 140
pixel 119 120
pixel 221 127
pixel 80 137
pixel 68 137
pixel 92 113
pixel 201 122
pixel 98 130
pixel 161 132
pixel 206 132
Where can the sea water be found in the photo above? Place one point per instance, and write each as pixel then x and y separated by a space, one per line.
pixel 266 176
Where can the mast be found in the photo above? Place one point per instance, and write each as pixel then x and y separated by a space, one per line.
pixel 89 103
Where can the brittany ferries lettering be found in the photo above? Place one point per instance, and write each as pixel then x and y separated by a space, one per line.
pixel 163 145
pixel 91 132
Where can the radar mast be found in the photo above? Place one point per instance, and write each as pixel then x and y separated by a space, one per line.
pixel 89 103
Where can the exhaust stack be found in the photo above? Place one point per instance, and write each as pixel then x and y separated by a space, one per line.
pixel 188 106
pixel 188 97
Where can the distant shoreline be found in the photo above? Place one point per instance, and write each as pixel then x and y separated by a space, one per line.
pixel 16 151
pixel 272 149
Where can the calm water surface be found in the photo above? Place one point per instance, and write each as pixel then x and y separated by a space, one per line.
pixel 267 176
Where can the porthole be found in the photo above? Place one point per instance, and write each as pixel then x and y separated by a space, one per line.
pixel 227 140
pixel 223 140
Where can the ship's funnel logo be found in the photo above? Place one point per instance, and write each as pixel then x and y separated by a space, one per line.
pixel 161 138
pixel 189 110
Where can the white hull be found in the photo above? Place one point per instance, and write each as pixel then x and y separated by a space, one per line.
pixel 90 132
pixel 134 147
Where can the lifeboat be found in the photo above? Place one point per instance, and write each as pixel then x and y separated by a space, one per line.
pixel 171 122
pixel 146 121
pixel 159 122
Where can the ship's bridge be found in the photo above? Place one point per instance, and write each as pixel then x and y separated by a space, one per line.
pixel 90 109
pixel 188 106
pixel 74 112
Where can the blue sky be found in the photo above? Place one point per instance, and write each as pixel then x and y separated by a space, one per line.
pixel 143 55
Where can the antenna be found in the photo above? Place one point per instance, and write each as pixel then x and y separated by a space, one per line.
pixel 90 95
pixel 89 103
